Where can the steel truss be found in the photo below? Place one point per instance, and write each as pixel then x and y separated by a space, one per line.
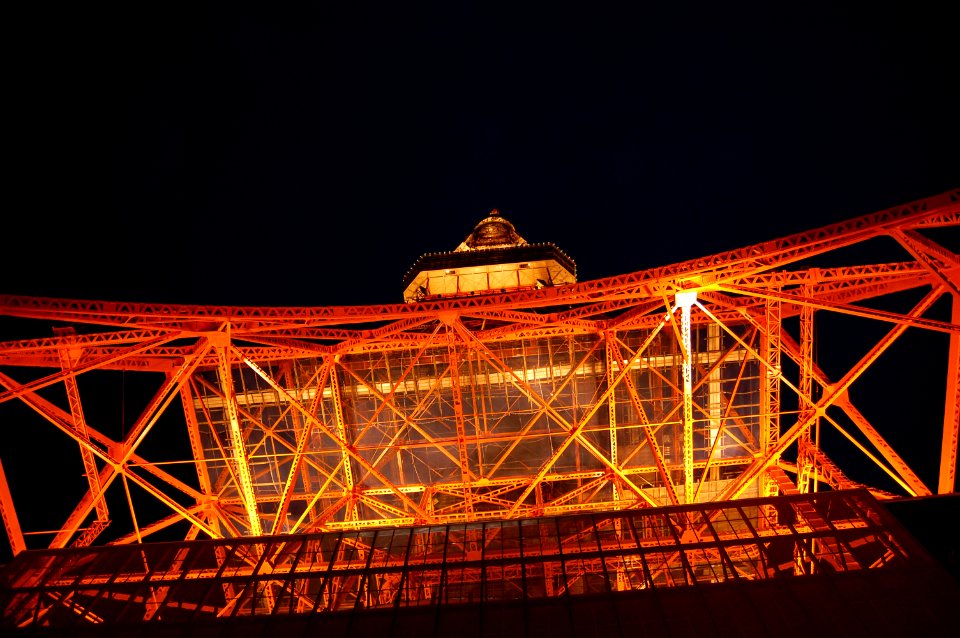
pixel 689 383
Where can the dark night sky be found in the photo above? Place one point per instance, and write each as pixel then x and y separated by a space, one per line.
pixel 308 156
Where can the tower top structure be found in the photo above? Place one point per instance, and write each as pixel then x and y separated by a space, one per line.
pixel 493 231
pixel 494 257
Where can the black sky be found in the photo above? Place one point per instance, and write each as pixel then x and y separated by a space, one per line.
pixel 205 153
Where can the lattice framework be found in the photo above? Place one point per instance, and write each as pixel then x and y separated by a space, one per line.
pixel 678 384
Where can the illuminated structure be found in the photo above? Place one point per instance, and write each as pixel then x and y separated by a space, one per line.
pixel 494 257
pixel 649 430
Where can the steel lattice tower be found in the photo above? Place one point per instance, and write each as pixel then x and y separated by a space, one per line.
pixel 501 390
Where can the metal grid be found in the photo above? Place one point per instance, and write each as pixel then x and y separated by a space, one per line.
pixel 472 563
pixel 261 421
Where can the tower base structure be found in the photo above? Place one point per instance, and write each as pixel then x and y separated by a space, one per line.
pixel 701 448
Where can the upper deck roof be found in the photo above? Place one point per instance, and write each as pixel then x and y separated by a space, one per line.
pixel 494 240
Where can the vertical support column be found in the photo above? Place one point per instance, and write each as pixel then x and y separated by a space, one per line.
pixel 9 515
pixel 68 357
pixel 770 390
pixel 399 453
pixel 352 513
pixel 806 458
pixel 613 358
pixel 685 299
pixel 237 444
pixel 460 422
pixel 809 440
pixel 951 413
pixel 199 457
pixel 612 408
pixel 714 382
pixel 578 409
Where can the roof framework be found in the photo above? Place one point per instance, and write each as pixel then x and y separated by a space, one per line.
pixel 705 380
pixel 325 577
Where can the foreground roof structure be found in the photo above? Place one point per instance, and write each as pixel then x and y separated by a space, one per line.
pixel 654 572
pixel 731 378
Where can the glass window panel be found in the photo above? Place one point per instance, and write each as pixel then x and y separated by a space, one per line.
pixel 539 578
pixel 421 587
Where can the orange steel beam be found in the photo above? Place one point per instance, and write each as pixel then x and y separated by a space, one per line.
pixel 800 353
pixel 108 453
pixel 160 400
pixel 611 364
pixel 648 435
pixel 940 261
pixel 316 522
pixel 196 447
pixel 341 432
pixel 868 313
pixel 679 406
pixel 830 396
pixel 806 476
pixel 87 367
pixel 733 288
pixel 458 417
pixel 9 514
pixel 96 443
pixel 574 431
pixel 860 446
pixel 51 345
pixel 164 523
pixel 831 473
pixel 684 301
pixel 346 448
pixel 68 358
pixel 770 387
pixel 237 442
pixel 951 410
pixel 946 266
pixel 267 431
pixel 542 409
pixel 831 277
pixel 728 410
pixel 385 332
pixel 939 209
pixel 914 485
pixel 302 439
pixel 877 283
pixel 409 420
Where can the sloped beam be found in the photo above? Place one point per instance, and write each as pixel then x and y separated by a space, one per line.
pixel 737 487
pixel 344 445
pixel 9 514
pixel 951 411
pixel 238 445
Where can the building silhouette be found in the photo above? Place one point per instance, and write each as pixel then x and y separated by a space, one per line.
pixel 507 452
